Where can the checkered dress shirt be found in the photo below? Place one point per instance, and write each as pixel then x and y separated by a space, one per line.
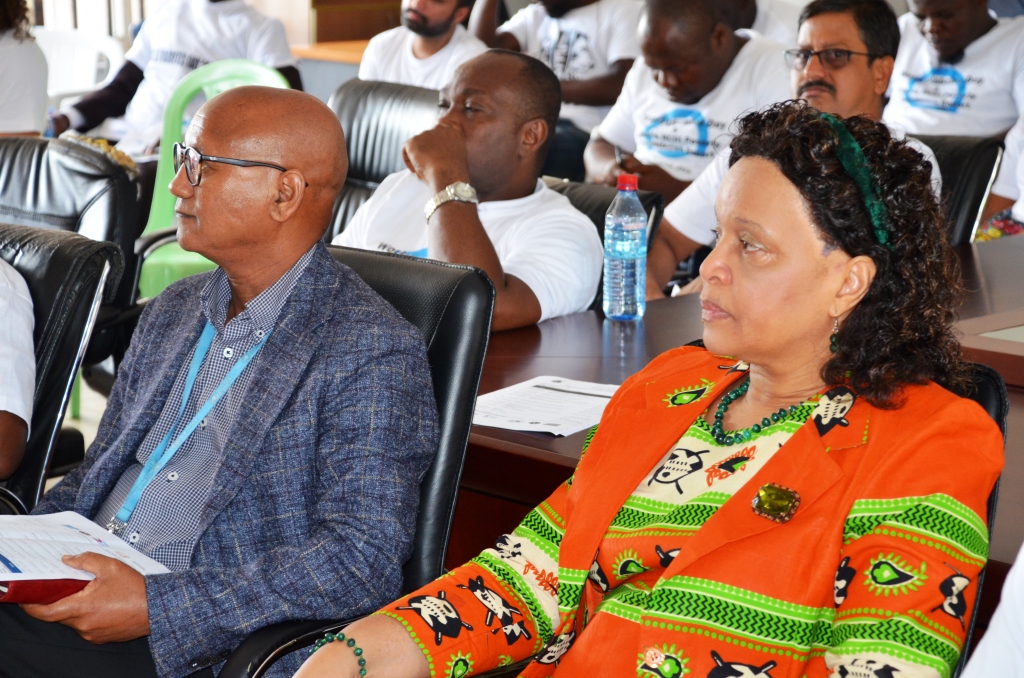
pixel 165 522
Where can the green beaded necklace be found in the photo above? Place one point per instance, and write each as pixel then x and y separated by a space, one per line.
pixel 744 434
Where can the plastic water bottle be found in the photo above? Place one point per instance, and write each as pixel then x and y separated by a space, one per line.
pixel 625 254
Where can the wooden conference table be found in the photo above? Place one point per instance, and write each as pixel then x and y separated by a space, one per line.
pixel 508 472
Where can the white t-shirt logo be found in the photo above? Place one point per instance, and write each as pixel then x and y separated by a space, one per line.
pixel 679 133
pixel 941 89
pixel 568 54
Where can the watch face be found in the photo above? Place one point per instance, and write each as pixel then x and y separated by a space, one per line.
pixel 463 191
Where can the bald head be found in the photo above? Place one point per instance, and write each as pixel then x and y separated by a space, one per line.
pixel 284 127
pixel 263 213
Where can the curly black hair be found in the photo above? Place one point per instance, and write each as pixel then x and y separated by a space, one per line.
pixel 14 14
pixel 902 330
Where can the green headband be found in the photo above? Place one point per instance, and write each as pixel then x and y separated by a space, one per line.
pixel 851 155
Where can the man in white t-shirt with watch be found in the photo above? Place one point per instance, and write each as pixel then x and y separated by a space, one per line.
pixel 842 66
pixel 426 49
pixel 695 77
pixel 589 44
pixel 472 194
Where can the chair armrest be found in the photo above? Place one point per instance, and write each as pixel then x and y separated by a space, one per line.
pixel 11 504
pixel 262 648
pixel 147 244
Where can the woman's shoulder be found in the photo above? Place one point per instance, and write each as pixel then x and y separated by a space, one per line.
pixel 684 362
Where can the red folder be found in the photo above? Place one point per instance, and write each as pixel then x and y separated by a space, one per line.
pixel 41 591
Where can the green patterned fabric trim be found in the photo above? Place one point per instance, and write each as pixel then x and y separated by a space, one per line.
pixel 639 513
pixel 586 446
pixel 541 532
pixel 570 588
pixel 626 601
pixel 900 636
pixel 415 638
pixel 521 587
pixel 937 517
pixel 727 609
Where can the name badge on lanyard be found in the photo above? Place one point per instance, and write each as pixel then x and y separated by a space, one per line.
pixel 166 449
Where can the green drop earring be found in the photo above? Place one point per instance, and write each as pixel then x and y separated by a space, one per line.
pixel 833 341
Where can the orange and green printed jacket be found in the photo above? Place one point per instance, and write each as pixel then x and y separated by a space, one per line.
pixel 872 575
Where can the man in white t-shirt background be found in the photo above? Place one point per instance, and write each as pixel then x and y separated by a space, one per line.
pixel 426 49
pixel 696 76
pixel 842 65
pixel 179 37
pixel 959 70
pixel 588 44
pixel 472 194
pixel 773 19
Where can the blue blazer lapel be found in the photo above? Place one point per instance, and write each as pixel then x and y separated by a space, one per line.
pixel 281 367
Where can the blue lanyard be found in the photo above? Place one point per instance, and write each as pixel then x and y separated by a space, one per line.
pixel 165 450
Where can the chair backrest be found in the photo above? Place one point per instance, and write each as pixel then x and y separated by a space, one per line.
pixel 69 185
pixel 594 200
pixel 66 274
pixel 990 392
pixel 378 117
pixel 451 305
pixel 79 62
pixel 211 80
pixel 969 166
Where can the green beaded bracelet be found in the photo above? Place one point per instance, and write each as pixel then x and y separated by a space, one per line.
pixel 351 642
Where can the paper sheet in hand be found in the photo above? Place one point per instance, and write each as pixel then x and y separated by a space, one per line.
pixel 545 404
pixel 31 547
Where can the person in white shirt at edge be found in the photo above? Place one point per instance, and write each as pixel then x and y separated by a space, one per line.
pixel 589 44
pixel 696 76
pixel 426 49
pixel 774 19
pixel 1000 653
pixel 475 176
pixel 842 66
pixel 959 70
pixel 17 368
pixel 23 74
pixel 1004 211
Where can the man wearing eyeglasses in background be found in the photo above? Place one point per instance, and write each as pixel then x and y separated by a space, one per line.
pixel 272 419
pixel 841 66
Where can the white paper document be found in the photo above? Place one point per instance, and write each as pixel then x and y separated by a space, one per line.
pixel 546 405
pixel 31 547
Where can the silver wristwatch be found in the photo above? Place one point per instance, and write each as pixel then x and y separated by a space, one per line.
pixel 460 191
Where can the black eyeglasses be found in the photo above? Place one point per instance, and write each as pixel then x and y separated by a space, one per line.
pixel 832 59
pixel 193 162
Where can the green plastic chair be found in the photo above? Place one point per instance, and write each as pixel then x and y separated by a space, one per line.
pixel 170 262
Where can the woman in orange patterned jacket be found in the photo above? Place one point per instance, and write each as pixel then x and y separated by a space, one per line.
pixel 814 506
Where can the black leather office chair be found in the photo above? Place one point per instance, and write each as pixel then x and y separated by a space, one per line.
pixel 452 306
pixel 594 200
pixel 69 185
pixel 989 392
pixel 378 117
pixel 67 276
pixel 969 166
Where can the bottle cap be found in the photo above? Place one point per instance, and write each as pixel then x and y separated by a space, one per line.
pixel 627 182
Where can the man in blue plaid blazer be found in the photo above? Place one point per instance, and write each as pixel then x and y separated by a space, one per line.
pixel 296 495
